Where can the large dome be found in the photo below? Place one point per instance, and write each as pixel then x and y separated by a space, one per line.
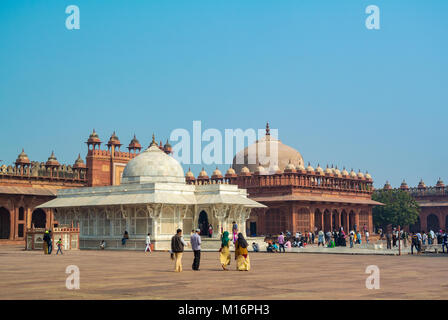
pixel 153 165
pixel 285 153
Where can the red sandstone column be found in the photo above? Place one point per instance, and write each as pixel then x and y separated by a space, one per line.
pixel 423 219
pixel 357 219
pixel 12 219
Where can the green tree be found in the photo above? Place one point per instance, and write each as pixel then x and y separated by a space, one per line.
pixel 399 208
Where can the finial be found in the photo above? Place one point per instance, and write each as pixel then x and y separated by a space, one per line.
pixel 153 142
pixel 268 131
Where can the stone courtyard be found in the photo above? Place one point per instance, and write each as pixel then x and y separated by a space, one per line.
pixel 132 275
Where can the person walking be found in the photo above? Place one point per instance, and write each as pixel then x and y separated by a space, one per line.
pixel 281 242
pixel 224 255
pixel 210 231
pixel 45 243
pixel 444 241
pixel 177 248
pixel 320 238
pixel 59 245
pixel 148 243
pixel 50 242
pixel 414 243
pixel 389 240
pixel 352 238
pixel 234 231
pixel 195 241
pixel 241 254
pixel 367 237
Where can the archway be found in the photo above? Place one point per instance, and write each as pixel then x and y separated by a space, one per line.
pixel 327 221
pixel 203 223
pixel 344 220
pixel 432 223
pixel 4 223
pixel 318 219
pixel 335 219
pixel 351 220
pixel 39 218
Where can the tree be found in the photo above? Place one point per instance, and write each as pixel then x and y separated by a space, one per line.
pixel 399 208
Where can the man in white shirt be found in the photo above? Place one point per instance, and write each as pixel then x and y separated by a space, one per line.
pixel 148 243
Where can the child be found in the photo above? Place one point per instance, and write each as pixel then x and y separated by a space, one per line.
pixel 59 244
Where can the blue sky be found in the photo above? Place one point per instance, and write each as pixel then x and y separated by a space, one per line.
pixel 336 91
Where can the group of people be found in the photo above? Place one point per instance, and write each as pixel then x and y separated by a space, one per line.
pixel 419 239
pixel 48 243
pixel 324 239
pixel 178 245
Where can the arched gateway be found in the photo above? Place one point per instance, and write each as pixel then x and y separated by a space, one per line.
pixel 5 223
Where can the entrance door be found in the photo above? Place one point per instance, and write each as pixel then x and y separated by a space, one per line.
pixel 203 223
pixel 253 229
pixel 4 223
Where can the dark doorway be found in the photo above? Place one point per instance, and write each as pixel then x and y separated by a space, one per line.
pixel 318 219
pixel 416 227
pixel 39 218
pixel 203 223
pixel 432 223
pixel 4 223
pixel 253 229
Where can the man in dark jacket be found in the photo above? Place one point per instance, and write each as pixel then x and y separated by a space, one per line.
pixel 177 247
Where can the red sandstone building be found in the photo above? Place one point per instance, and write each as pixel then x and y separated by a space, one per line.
pixel 433 202
pixel 298 198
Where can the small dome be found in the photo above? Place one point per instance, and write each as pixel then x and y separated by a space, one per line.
pixel 113 140
pixel 230 172
pixel 151 166
pixel 290 168
pixel 79 163
pixel 216 174
pixel 421 184
pixel 404 185
pixel 189 174
pixel 368 176
pixel 337 172
pixel 245 171
pixel 167 147
pixel 344 172
pixel 260 170
pixel 94 138
pixel 134 144
pixel 309 168
pixel 328 170
pixel 353 174
pixel 387 186
pixel 274 169
pixel 203 174
pixel 319 170
pixel 22 158
pixel 300 167
pixel 52 161
pixel 440 183
pixel 360 174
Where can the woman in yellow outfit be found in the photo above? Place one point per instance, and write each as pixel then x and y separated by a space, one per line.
pixel 241 254
pixel 224 255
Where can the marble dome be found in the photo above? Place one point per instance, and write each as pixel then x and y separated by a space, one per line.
pixel 153 165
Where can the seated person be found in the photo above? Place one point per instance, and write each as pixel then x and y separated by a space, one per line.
pixel 288 244
pixel 255 247
pixel 102 244
pixel 274 247
pixel 270 248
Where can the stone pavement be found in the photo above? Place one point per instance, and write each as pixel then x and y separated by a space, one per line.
pixel 132 275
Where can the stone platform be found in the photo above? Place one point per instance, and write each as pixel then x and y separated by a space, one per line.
pixel 123 274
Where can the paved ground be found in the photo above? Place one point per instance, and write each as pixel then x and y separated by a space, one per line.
pixel 132 275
